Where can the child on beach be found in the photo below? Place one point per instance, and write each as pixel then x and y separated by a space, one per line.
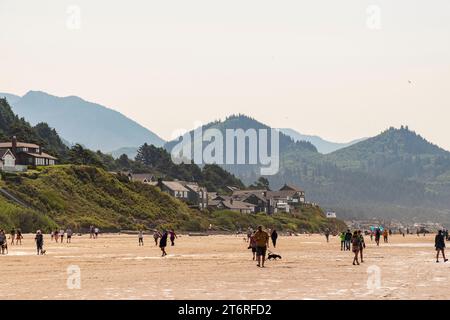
pixel 141 238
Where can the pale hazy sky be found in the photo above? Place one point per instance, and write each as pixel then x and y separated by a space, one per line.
pixel 315 66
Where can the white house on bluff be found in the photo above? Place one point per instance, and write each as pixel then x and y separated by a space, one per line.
pixel 23 154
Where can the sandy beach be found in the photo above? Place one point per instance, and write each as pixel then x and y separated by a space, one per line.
pixel 221 267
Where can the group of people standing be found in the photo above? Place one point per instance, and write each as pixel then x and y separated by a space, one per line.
pixel 354 242
pixel 93 232
pixel 58 235
pixel 15 236
pixel 162 237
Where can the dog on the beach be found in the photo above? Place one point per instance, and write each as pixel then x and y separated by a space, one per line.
pixel 43 252
pixel 273 256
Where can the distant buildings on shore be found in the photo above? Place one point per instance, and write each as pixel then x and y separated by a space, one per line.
pixel 394 225
pixel 286 199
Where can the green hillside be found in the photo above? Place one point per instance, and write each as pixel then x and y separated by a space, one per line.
pixel 78 196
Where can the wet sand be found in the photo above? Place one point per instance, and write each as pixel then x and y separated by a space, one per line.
pixel 221 267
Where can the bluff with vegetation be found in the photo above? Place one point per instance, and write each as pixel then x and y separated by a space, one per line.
pixel 79 196
pixel 81 192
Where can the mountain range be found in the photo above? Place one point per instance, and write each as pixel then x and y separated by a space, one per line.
pixel 396 174
pixel 105 129
pixel 78 121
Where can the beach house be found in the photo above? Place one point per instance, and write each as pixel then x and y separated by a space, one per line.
pixel 25 154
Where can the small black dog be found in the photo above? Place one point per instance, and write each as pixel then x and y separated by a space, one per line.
pixel 273 256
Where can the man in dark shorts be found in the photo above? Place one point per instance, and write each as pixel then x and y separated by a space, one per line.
pixel 262 243
pixel 69 235
pixel 439 243
pixel 39 242
pixel 163 243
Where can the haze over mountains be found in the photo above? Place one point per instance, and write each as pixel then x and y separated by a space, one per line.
pixel 105 129
pixel 397 174
pixel 78 121
pixel 322 145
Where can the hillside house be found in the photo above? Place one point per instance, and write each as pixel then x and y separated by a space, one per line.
pixel 238 206
pixel 174 188
pixel 28 154
pixel 284 200
pixel 197 196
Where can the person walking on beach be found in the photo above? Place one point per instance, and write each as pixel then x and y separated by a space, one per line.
pixel 19 237
pixel 91 232
pixel 252 246
pixel 327 235
pixel 262 243
pixel 439 243
pixel 371 235
pixel 163 243
pixel 12 236
pixel 385 236
pixel 377 236
pixel 348 239
pixel 156 236
pixel 96 232
pixel 61 234
pixel 56 235
pixel 342 236
pixel 141 238
pixel 69 235
pixel 362 245
pixel 356 247
pixel 3 242
pixel 249 233
pixel 274 237
pixel 173 236
pixel 39 239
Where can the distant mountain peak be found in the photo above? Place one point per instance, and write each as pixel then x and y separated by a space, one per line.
pixel 79 121
pixel 322 145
